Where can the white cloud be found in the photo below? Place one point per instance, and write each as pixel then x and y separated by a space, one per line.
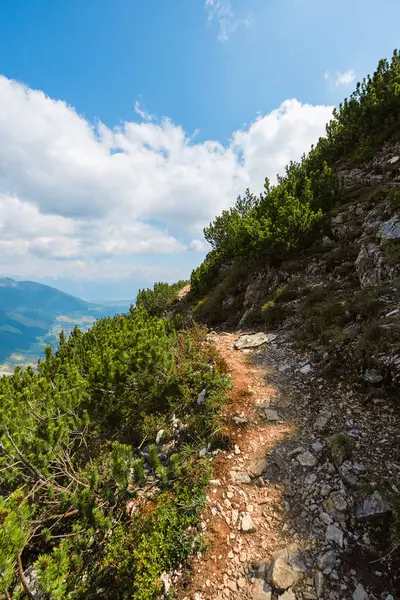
pixel 338 79
pixel 142 112
pixel 73 193
pixel 199 246
pixel 221 12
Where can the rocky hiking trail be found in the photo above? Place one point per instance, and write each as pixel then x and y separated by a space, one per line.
pixel 297 507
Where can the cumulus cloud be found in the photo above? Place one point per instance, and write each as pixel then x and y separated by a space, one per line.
pixel 340 78
pixel 75 195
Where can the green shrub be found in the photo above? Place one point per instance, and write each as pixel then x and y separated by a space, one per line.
pixel 70 435
pixel 158 301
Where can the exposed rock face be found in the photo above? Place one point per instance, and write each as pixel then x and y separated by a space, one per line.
pixel 369 264
pixel 390 230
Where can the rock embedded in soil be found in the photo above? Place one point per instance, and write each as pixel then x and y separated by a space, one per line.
pixel 390 230
pixel 334 534
pixel 253 340
pixel 305 369
pixel 307 459
pixel 288 595
pixel 247 525
pixel 240 477
pixel 261 591
pixel 327 561
pixel 322 420
pixel 338 501
pixel 372 376
pixel 257 467
pixel 271 415
pixel 372 507
pixel 319 583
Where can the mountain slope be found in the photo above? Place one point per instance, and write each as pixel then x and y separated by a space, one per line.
pixel 27 311
pixel 21 296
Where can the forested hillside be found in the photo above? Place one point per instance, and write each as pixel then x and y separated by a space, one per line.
pixel 290 215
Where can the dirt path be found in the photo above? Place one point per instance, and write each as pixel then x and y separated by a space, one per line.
pixel 289 515
pixel 243 518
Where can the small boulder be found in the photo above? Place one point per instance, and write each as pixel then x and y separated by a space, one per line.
pixel 305 369
pixel 348 476
pixel 336 506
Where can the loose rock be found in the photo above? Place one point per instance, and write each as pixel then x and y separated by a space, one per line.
pixel 334 534
pixel 271 414
pixel 307 459
pixel 322 420
pixel 372 507
pixel 247 525
pixel 319 583
pixel 286 569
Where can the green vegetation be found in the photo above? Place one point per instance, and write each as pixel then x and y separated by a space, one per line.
pixel 288 216
pixel 158 301
pixel 92 498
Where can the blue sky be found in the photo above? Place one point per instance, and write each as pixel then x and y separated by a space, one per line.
pixel 126 125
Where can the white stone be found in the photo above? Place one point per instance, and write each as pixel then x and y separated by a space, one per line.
pixel 253 340
pixel 247 525
pixel 159 436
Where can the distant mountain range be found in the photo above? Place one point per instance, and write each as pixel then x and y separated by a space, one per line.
pixel 32 316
